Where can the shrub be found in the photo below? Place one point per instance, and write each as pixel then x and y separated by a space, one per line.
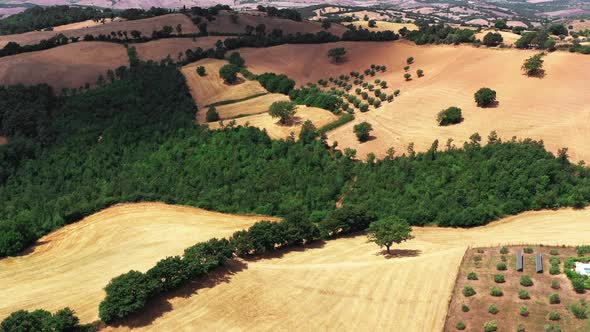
pixel 485 97
pixel 480 251
pixel 579 286
pixel 555 284
pixel 212 114
pixel 464 307
pixel 460 325
pixel 406 68
pixel 492 39
pixel 451 115
pixel 526 281
pixel 552 328
pixel 504 250
pixel 501 266
pixel 523 295
pixel 407 76
pixel 524 311
pixel 236 59
pixel 580 310
pixel 337 54
pixel 496 292
pixel 229 73
pixel 533 66
pixel 554 299
pixel 499 278
pixel 492 309
pixel 503 258
pixel 420 72
pixel 554 315
pixel 520 328
pixel 201 71
pixel 554 269
pixel 490 326
pixel 362 131
pixel 410 60
pixel 396 93
pixel 554 252
pixel 528 250
pixel 383 84
pixel 554 260
pixel 468 291
pixel 583 250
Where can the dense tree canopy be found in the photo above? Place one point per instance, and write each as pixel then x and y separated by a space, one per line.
pixel 387 231
pixel 37 18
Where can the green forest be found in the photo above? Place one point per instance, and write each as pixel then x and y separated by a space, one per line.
pixel 134 139
pixel 37 18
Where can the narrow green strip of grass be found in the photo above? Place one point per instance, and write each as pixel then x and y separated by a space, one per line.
pixel 233 101
pixel 341 121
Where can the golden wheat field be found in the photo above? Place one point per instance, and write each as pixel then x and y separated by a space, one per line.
pixel 509 37
pixel 247 107
pixel 71 266
pixel 210 88
pixel 383 26
pixel 318 116
pixel 159 49
pixel 555 108
pixel 347 284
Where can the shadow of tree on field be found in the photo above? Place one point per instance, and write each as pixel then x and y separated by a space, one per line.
pixel 399 253
pixel 281 252
pixel 31 249
pixel 160 305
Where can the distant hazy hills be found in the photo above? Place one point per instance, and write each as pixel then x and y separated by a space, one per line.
pixel 121 4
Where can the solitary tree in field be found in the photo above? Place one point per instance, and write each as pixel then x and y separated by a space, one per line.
pixel 372 23
pixel 449 116
pixel 212 114
pixel 420 72
pixel 229 73
pixel 337 54
pixel 485 97
pixel 492 39
pixel 533 66
pixel 284 110
pixel 362 131
pixel 407 76
pixel 406 68
pixel 410 60
pixel 385 232
pixel 201 71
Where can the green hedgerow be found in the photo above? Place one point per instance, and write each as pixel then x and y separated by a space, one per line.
pixel 499 278
pixel 524 311
pixel 472 276
pixel 554 298
pixel 496 292
pixel 501 266
pixel 468 291
pixel 554 315
pixel 526 281
pixel 460 325
pixel 523 295
pixel 492 309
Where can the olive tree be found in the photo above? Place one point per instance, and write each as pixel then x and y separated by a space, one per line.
pixel 485 97
pixel 362 131
pixel 229 73
pixel 337 54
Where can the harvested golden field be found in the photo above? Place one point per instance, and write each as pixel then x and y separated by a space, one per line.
pixel 554 108
pixel 223 24
pixel 211 88
pixel 83 24
pixel 146 26
pixel 159 49
pixel 509 37
pixel 383 25
pixel 318 116
pixel 247 107
pixel 68 66
pixel 71 266
pixel 348 285
pixel 372 15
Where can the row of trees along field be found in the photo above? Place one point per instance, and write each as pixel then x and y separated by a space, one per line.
pixel 134 140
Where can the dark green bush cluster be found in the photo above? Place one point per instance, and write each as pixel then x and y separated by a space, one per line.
pixel 580 282
pixel 492 309
pixel 554 299
pixel 499 278
pixel 276 83
pixel 316 97
pixel 40 320
pixel 523 295
pixel 129 293
pixel 472 276
pixel 501 266
pixel 496 292
pixel 451 115
pixel 468 291
pixel 438 34
pixel 526 281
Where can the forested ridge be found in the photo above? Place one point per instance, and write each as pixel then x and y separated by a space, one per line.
pixel 135 140
pixel 37 18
